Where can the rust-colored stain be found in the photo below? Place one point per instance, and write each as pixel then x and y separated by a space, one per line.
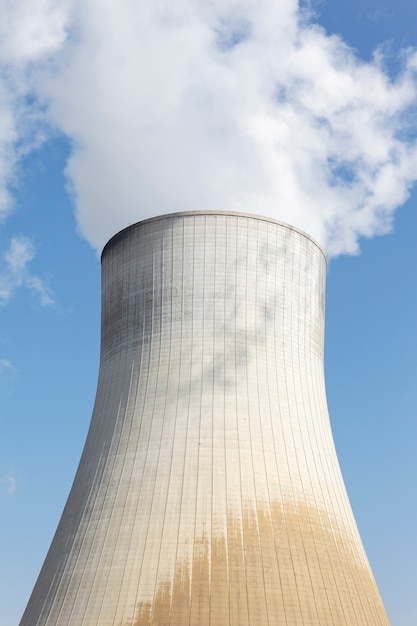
pixel 283 565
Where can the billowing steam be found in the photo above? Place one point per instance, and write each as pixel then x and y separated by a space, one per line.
pixel 208 104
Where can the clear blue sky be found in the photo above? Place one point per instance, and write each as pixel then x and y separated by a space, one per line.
pixel 49 350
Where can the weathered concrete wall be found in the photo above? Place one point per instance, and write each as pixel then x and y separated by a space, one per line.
pixel 209 491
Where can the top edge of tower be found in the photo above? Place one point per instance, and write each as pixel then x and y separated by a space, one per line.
pixel 179 214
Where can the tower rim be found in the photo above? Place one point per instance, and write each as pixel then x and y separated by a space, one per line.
pixel 166 216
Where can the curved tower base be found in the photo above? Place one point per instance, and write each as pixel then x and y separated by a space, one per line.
pixel 209 491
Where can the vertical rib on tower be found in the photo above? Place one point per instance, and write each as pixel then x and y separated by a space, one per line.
pixel 209 491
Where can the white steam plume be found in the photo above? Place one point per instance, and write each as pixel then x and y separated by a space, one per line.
pixel 220 104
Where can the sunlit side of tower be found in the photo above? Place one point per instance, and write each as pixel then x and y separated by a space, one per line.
pixel 209 491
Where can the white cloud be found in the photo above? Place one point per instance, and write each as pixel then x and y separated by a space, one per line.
pixel 7 371
pixel 218 105
pixel 8 158
pixel 9 482
pixel 14 272
pixel 38 286
pixel 7 376
pixel 30 32
pixel 6 365
pixel 14 267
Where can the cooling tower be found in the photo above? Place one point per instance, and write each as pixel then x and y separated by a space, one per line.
pixel 209 491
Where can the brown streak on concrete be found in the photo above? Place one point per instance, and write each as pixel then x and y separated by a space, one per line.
pixel 285 564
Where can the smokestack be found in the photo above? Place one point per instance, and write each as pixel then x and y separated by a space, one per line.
pixel 209 490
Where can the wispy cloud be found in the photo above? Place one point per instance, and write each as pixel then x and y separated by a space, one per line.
pixel 245 105
pixel 7 376
pixel 9 483
pixel 38 287
pixel 14 272
pixel 7 367
pixel 29 32
pixel 380 13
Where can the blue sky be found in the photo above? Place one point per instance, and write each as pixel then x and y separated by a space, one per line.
pixel 50 272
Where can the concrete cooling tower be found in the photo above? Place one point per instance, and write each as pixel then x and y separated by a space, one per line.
pixel 209 491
